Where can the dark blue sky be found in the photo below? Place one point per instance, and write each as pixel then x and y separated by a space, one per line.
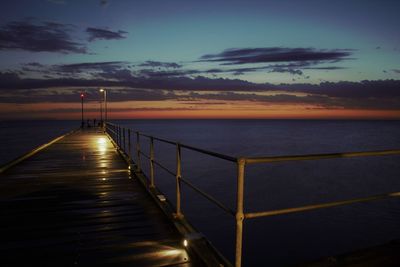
pixel 168 45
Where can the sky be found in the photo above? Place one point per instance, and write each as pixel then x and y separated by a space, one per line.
pixel 200 59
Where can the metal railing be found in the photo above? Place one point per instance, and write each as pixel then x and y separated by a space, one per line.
pixel 122 137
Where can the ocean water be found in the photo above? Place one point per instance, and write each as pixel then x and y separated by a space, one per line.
pixel 20 137
pixel 281 240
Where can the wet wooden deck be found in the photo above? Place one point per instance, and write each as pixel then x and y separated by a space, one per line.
pixel 76 204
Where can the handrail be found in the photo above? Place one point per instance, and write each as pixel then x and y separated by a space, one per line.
pixel 214 154
pixel 164 168
pixel 207 152
pixel 321 156
pixel 159 139
pixel 209 197
pixel 320 206
pixel 118 134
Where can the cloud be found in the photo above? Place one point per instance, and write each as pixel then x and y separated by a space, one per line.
pixel 155 64
pixel 276 54
pixel 287 70
pixel 286 60
pixel 114 74
pixel 117 75
pixel 8 79
pixel 377 89
pixel 39 37
pixel 319 101
pixel 164 73
pixel 108 70
pixel 90 66
pixel 199 97
pixel 34 64
pixel 325 68
pixel 104 34
pixel 126 86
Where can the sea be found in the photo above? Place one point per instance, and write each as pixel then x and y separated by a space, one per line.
pixel 282 240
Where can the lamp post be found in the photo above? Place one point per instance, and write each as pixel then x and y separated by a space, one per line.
pixel 104 91
pixel 101 112
pixel 82 122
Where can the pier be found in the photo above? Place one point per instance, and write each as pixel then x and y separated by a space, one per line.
pixel 84 200
pixel 75 202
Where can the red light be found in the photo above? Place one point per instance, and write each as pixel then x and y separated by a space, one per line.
pixel 82 95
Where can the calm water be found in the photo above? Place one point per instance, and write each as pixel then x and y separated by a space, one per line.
pixel 282 240
pixel 20 137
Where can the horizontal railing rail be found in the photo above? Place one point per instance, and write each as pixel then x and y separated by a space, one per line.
pixel 203 151
pixel 321 156
pixel 319 206
pixel 123 140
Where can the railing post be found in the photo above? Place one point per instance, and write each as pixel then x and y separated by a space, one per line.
pixel 178 181
pixel 129 147
pixel 152 185
pixel 239 211
pixel 138 151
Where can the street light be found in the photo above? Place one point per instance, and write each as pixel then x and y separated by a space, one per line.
pixel 104 91
pixel 82 97
pixel 101 112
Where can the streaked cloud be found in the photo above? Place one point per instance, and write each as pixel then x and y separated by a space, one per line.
pixel 104 34
pixel 239 56
pixel 158 64
pixel 89 66
pixel 126 86
pixel 39 37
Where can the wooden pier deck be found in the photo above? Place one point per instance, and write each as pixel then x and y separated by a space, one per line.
pixel 75 203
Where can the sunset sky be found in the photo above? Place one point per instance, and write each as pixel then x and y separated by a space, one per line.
pixel 200 59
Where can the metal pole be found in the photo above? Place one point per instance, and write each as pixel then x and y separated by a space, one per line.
pixel 138 151
pixel 82 122
pixel 101 113
pixel 152 185
pixel 129 147
pixel 178 181
pixel 105 103
pixel 239 211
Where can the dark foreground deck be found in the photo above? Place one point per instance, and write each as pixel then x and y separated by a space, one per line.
pixel 75 203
